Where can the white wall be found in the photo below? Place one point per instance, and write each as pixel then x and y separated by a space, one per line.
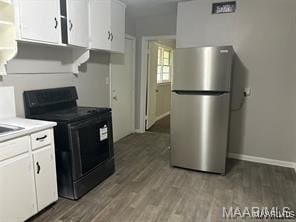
pixel 90 83
pixel 263 33
pixel 130 26
pixel 150 26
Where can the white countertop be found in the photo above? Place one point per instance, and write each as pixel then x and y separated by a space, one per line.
pixel 29 125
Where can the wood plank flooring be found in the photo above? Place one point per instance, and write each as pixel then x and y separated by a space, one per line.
pixel 145 188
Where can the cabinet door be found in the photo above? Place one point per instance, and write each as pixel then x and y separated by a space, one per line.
pixel 17 189
pixel 39 20
pixel 45 177
pixel 77 11
pixel 117 26
pixel 100 24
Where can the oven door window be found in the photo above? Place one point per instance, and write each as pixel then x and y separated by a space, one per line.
pixel 93 145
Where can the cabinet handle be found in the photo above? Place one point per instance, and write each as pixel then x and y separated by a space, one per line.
pixel 112 37
pixel 56 23
pixel 109 35
pixel 41 138
pixel 71 25
pixel 38 167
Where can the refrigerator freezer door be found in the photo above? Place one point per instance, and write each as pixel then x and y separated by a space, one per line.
pixel 203 69
pixel 199 131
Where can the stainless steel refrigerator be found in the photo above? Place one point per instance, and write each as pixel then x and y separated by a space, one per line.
pixel 200 113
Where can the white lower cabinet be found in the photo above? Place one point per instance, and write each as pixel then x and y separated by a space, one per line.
pixel 28 180
pixel 45 177
pixel 17 189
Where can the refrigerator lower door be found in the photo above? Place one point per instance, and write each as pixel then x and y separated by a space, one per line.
pixel 199 131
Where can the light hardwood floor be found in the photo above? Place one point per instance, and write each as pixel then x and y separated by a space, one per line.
pixel 145 188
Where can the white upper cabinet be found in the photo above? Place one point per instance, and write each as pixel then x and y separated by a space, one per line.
pixel 90 24
pixel 39 20
pixel 117 26
pixel 107 25
pixel 77 22
pixel 99 24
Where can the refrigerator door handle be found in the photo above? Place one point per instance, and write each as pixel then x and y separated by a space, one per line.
pixel 200 93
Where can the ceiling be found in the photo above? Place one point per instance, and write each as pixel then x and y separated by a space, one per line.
pixel 145 8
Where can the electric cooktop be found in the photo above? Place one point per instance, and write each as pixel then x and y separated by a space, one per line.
pixel 72 114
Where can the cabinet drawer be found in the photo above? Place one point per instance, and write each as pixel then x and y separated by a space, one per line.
pixel 40 139
pixel 14 147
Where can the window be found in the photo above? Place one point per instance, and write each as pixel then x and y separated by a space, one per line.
pixel 164 65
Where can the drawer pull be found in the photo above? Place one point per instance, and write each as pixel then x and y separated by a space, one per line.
pixel 38 167
pixel 41 138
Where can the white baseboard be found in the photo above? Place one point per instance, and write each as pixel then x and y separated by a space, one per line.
pixel 162 116
pixel 262 160
pixel 139 131
pixel 255 159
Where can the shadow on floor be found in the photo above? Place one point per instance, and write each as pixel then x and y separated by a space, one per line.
pixel 161 126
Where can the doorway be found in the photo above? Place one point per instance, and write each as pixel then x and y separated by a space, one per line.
pixel 122 90
pixel 159 76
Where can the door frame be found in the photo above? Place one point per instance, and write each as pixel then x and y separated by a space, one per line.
pixel 144 74
pixel 129 37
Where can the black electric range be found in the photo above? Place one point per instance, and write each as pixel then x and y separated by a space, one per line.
pixel 72 114
pixel 83 138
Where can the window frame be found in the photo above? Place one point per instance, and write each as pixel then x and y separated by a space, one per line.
pixel 161 63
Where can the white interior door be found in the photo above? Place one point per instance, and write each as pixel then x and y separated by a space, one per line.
pixel 152 85
pixel 122 91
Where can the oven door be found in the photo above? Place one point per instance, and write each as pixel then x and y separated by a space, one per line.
pixel 92 144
